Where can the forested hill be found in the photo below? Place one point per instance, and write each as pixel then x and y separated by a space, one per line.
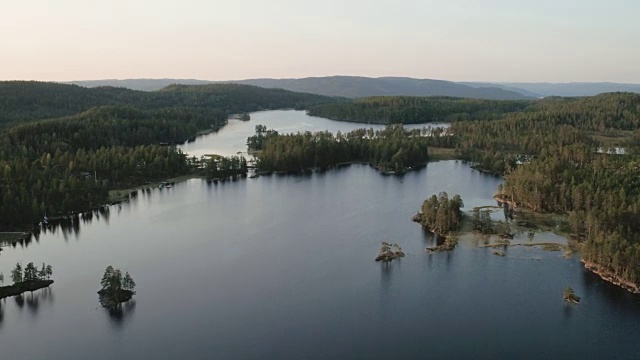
pixel 357 87
pixel 562 89
pixel 27 101
pixel 416 110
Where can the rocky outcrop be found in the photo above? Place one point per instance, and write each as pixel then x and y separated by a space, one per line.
pixel 570 296
pixel 22 287
pixel 448 245
pixel 607 275
pixel 111 299
pixel 388 252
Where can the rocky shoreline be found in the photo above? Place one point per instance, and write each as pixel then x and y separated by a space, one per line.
pixel 612 278
pixel 111 299
pixel 22 287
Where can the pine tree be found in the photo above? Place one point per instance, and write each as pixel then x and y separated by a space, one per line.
pixel 42 274
pixel 30 272
pixel 49 271
pixel 16 274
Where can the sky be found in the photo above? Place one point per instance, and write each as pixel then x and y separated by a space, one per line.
pixel 458 40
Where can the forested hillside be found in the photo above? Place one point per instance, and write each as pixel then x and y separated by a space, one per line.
pixel 22 101
pixel 94 140
pixel 417 110
pixel 359 87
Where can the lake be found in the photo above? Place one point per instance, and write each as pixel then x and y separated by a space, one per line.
pixel 232 138
pixel 281 267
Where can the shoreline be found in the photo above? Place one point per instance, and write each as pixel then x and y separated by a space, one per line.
pixel 21 288
pixel 120 195
pixel 609 277
pixel 115 196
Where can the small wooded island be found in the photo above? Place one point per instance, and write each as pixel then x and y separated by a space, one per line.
pixel 116 288
pixel 570 296
pixel 388 252
pixel 394 150
pixel 441 216
pixel 29 279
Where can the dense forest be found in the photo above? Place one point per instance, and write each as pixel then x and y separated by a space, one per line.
pixel 440 214
pixel 22 101
pixel 95 140
pixel 417 110
pixel 393 149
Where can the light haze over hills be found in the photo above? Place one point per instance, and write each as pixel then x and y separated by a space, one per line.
pixel 356 86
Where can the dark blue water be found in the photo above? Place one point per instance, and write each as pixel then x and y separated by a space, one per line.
pixel 282 267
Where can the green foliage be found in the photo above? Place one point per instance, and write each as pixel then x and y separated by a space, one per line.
pixel 224 167
pixel 562 171
pixel 482 222
pixel 127 282
pixel 256 142
pixel 393 149
pixel 113 281
pixel 548 151
pixel 441 214
pixel 28 101
pixel 107 138
pixel 30 273
pixel 16 274
pixel 417 110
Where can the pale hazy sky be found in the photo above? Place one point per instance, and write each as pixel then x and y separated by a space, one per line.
pixel 474 40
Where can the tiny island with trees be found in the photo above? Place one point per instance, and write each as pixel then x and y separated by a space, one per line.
pixel 388 252
pixel 441 216
pixel 116 288
pixel 26 279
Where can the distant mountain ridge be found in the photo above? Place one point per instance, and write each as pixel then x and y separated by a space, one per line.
pixel 336 86
pixel 357 87
pixel 543 89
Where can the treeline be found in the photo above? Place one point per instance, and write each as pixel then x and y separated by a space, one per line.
pixel 393 149
pixel 256 142
pixel 109 126
pixel 72 181
pixel 220 167
pixel 416 110
pixel 440 214
pixel 22 101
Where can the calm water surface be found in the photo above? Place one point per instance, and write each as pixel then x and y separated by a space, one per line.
pixel 282 267
pixel 232 138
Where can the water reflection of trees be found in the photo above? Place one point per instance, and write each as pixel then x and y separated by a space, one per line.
pixel 33 300
pixel 68 226
pixel 119 315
